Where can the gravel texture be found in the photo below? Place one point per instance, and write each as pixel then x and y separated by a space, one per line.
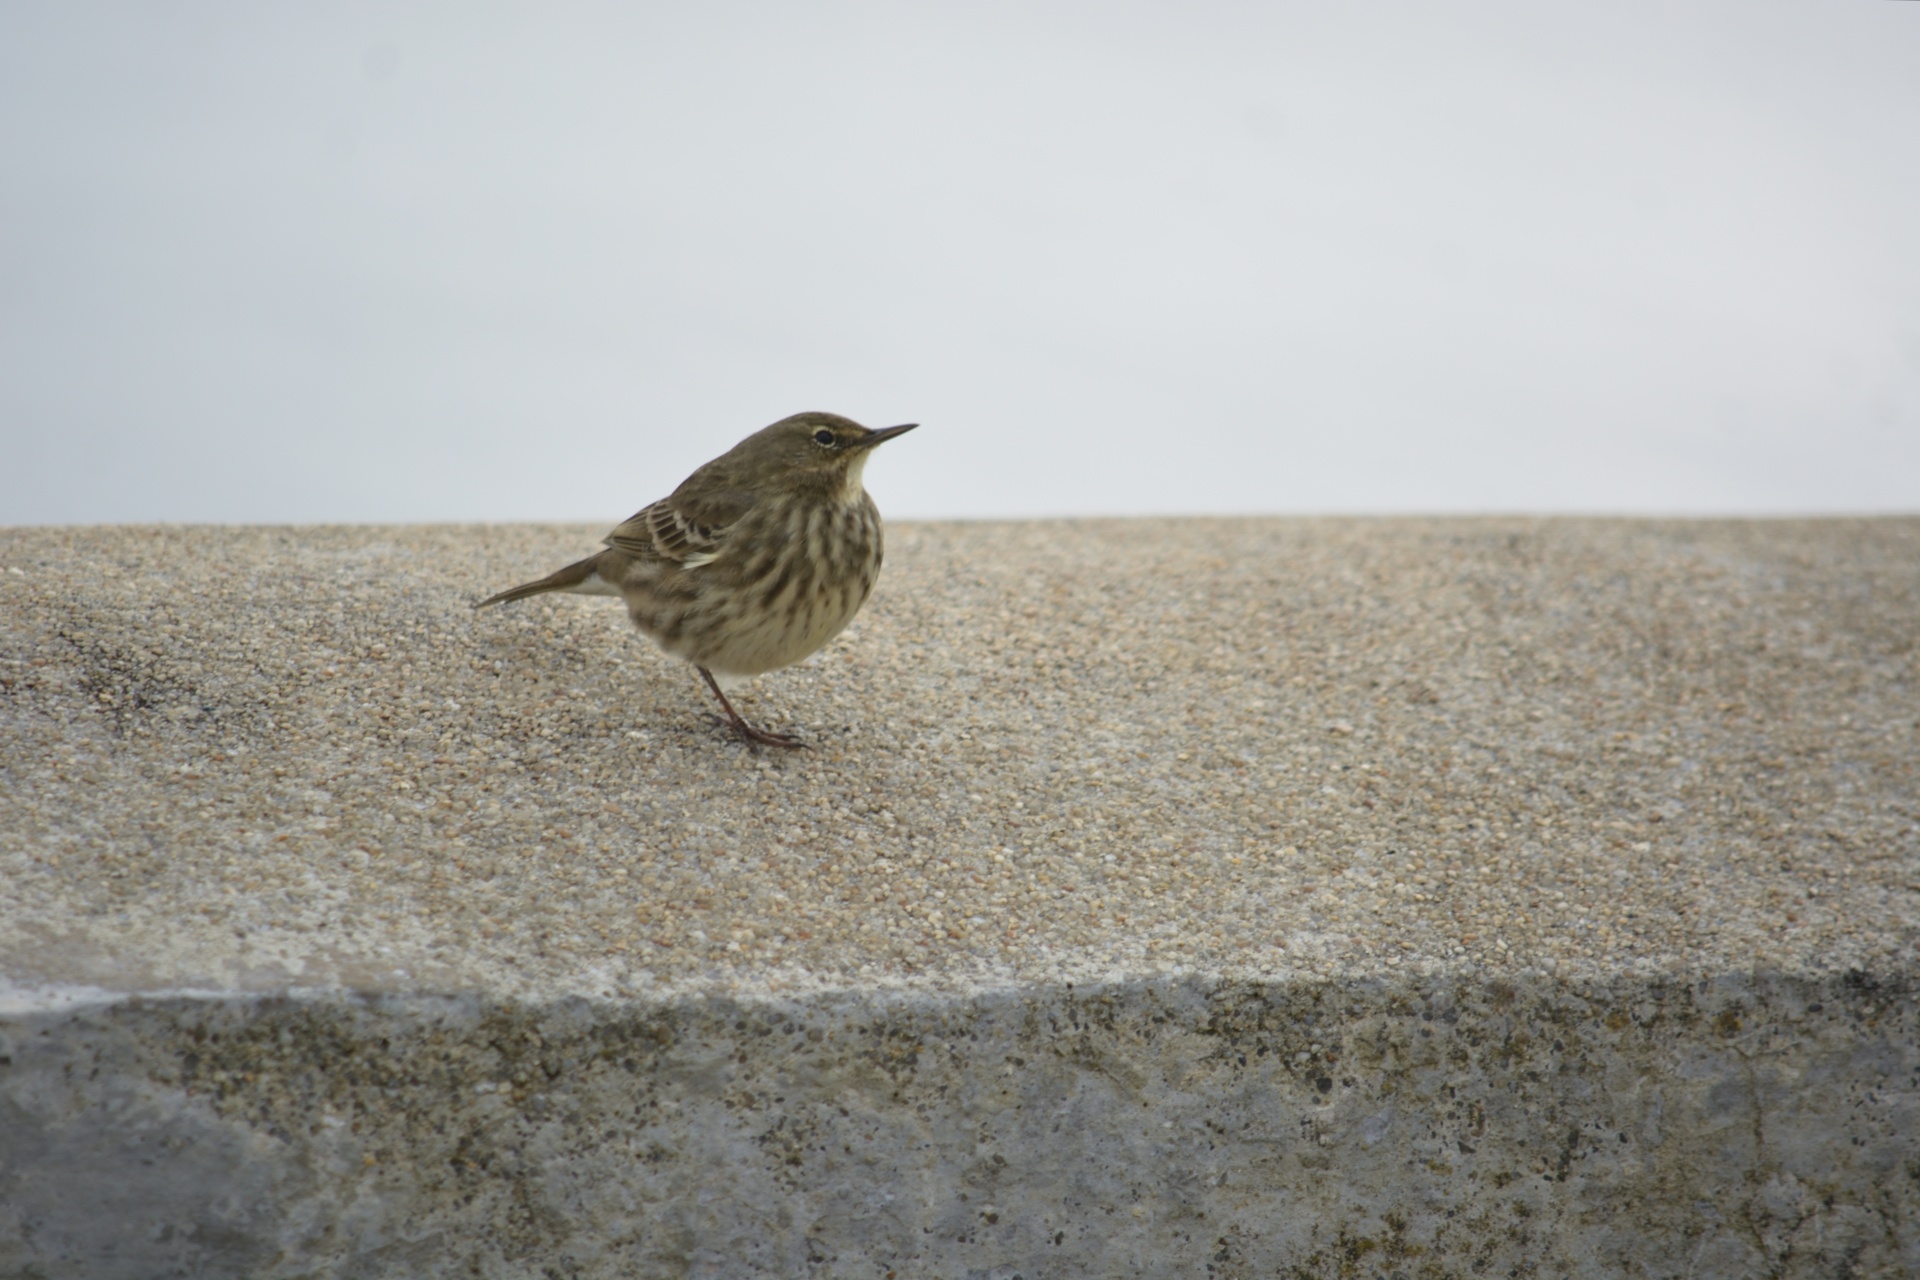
pixel 254 758
pixel 1358 898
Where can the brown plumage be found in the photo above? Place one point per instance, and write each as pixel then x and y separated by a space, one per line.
pixel 757 560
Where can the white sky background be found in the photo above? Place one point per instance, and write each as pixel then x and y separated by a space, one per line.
pixel 335 262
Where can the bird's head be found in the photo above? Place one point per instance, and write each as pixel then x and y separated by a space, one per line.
pixel 823 447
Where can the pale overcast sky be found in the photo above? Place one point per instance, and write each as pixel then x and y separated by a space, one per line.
pixel 336 262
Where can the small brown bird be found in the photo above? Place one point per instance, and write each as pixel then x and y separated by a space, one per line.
pixel 759 558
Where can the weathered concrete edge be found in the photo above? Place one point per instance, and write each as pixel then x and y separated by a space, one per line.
pixel 1729 1123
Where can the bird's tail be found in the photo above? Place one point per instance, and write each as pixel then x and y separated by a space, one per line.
pixel 581 577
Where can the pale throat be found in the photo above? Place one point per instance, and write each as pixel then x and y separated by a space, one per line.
pixel 852 488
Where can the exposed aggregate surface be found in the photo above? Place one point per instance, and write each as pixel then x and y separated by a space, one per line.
pixel 257 758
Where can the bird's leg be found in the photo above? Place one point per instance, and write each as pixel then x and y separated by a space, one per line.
pixel 740 726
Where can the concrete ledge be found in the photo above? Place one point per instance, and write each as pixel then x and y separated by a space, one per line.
pixel 1346 898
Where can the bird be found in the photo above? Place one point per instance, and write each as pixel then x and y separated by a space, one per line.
pixel 758 559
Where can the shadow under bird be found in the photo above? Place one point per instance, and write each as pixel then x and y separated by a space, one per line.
pixel 757 560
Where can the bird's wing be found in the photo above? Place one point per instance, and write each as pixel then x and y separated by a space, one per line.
pixel 679 532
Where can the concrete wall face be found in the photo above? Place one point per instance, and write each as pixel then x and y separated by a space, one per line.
pixel 1416 1128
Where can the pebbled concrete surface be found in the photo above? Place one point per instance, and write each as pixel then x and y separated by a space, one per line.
pixel 1302 897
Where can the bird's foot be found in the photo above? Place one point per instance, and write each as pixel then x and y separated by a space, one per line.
pixel 756 738
pixel 766 738
pixel 752 736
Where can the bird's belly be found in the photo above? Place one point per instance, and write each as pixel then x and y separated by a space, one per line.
pixel 739 634
pixel 771 639
pixel 777 596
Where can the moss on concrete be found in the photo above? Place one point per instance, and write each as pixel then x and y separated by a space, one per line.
pixel 1734 1126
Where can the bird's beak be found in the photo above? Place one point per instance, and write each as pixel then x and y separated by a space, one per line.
pixel 887 433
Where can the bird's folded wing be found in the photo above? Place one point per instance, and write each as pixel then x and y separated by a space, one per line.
pixel 667 532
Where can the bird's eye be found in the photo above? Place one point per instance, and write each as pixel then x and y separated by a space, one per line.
pixel 823 436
